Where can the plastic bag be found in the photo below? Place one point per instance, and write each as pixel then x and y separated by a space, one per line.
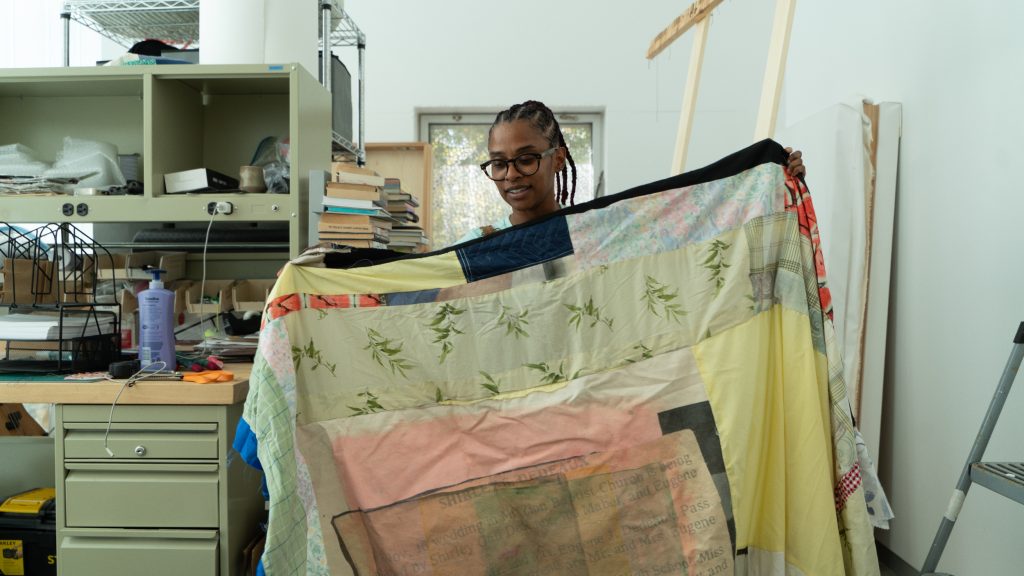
pixel 20 160
pixel 273 156
pixel 94 159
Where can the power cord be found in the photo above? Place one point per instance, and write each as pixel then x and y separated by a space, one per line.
pixel 216 208
pixel 127 384
pixel 202 285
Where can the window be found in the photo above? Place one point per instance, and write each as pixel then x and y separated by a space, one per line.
pixel 463 198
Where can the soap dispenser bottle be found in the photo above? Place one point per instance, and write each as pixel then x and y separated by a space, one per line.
pixel 156 325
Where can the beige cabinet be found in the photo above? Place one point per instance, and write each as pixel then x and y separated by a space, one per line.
pixel 169 497
pixel 153 553
pixel 177 118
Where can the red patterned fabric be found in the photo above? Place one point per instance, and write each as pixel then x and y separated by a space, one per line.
pixel 288 303
pixel 799 201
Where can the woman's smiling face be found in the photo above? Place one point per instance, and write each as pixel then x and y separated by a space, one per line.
pixel 529 196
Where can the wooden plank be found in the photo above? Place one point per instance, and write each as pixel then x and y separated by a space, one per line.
pixel 145 392
pixel 775 69
pixel 700 39
pixel 877 320
pixel 697 12
pixel 412 162
pixel 856 387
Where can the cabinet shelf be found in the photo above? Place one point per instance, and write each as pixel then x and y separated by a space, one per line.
pixel 177 117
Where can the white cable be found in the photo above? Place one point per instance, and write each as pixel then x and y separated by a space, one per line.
pixel 202 287
pixel 127 383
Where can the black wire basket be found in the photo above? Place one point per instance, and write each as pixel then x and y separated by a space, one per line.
pixel 54 321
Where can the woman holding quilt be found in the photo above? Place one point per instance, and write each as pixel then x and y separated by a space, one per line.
pixel 530 165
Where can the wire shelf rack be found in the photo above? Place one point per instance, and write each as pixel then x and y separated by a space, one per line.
pixel 175 22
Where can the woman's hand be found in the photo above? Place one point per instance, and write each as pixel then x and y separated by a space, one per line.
pixel 796 163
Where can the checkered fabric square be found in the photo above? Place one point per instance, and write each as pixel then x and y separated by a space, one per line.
pixel 847 485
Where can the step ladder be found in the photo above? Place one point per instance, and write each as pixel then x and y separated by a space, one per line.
pixel 1006 478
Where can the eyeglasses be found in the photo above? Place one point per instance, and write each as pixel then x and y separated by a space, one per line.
pixel 526 164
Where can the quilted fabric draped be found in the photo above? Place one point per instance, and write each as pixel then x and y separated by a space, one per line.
pixel 644 384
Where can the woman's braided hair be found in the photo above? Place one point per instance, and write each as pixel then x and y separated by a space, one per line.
pixel 543 119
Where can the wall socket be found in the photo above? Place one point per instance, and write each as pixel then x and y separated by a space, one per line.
pixel 219 208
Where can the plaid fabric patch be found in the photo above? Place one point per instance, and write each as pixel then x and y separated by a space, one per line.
pixel 847 485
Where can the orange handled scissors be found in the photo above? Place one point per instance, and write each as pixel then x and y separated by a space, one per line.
pixel 207 376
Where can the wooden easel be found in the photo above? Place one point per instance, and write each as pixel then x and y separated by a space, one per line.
pixel 698 14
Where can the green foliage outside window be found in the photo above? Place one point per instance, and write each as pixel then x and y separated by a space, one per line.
pixel 464 198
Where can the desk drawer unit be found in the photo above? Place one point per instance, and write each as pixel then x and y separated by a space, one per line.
pixel 141 495
pixel 162 553
pixel 163 500
pixel 141 441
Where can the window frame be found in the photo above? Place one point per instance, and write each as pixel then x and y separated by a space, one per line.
pixel 485 116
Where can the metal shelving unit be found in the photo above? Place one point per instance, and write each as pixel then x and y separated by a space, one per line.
pixel 342 31
pixel 176 22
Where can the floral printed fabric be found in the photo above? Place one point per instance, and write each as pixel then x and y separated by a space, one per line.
pixel 675 218
pixel 659 397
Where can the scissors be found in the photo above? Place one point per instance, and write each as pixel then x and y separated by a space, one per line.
pixel 207 376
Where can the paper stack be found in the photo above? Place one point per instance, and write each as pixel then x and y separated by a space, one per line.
pixel 49 327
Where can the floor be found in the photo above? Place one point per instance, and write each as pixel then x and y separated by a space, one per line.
pixel 886 571
pixel 893 565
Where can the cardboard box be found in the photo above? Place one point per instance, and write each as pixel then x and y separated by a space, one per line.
pixel 218 290
pixel 18 422
pixel 129 266
pixel 198 180
pixel 251 295
pixel 18 281
pixel 180 289
pixel 349 173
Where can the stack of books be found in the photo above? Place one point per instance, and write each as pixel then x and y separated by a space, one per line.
pixel 354 211
pixel 406 235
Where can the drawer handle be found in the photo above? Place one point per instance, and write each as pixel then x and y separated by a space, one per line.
pixel 140 450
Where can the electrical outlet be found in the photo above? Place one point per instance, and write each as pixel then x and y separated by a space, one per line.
pixel 219 208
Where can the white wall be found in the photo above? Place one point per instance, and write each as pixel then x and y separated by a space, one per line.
pixel 579 53
pixel 957 294
pixel 32 35
pixel 958 278
pixel 958 282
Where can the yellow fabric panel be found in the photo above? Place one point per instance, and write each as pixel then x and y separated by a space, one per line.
pixel 772 412
pixel 441 271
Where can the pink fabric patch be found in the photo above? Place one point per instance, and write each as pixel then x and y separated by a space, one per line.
pixel 381 469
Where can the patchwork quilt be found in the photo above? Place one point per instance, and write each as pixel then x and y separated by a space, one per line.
pixel 645 384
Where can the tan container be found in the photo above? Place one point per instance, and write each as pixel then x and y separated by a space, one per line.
pixel 219 290
pixel 18 282
pixel 251 295
pixel 129 266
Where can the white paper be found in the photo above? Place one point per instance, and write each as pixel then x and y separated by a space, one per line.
pixel 47 327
